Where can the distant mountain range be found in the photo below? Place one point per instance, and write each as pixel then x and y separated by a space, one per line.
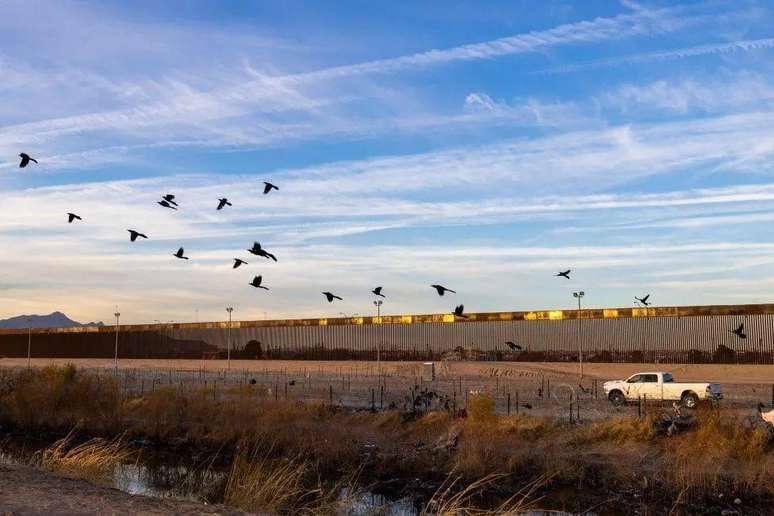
pixel 53 320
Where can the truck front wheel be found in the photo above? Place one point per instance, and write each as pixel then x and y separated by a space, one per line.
pixel 616 398
pixel 689 400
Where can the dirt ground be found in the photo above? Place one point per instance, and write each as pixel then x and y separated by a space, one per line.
pixel 721 373
pixel 25 490
pixel 544 389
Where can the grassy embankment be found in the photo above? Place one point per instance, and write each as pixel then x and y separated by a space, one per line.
pixel 290 457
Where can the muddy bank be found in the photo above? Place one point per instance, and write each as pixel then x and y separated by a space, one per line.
pixel 25 490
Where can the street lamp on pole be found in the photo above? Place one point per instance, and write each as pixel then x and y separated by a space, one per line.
pixel 378 305
pixel 29 341
pixel 579 295
pixel 115 357
pixel 228 351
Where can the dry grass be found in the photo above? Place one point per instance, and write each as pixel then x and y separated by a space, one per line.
pixel 94 460
pixel 718 455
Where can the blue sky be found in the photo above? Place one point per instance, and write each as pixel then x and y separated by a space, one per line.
pixel 480 145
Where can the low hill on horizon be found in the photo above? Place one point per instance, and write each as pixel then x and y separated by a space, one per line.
pixel 52 320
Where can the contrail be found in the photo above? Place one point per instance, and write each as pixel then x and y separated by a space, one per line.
pixel 680 53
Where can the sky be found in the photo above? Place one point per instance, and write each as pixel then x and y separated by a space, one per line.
pixel 481 145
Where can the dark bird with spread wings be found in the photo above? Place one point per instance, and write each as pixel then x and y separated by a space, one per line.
pixel 643 300
pixel 459 311
pixel 378 292
pixel 257 250
pixel 181 254
pixel 71 217
pixel 564 274
pixel 513 346
pixel 170 199
pixel 442 290
pixel 25 160
pixel 166 204
pixel 238 262
pixel 268 187
pixel 222 203
pixel 257 283
pixel 330 297
pixel 739 332
pixel 134 234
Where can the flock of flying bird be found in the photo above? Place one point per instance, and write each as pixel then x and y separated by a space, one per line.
pixel 168 201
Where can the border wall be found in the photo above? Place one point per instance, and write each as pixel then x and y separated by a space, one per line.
pixel 690 334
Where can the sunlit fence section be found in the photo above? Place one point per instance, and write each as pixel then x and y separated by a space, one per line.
pixel 694 334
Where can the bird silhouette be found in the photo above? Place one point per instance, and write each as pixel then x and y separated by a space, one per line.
pixel 643 300
pixel 269 187
pixel 330 297
pixel 442 290
pixel 527 406
pixel 565 274
pixel 513 346
pixel 166 204
pixel 181 254
pixel 71 217
pixel 257 283
pixel 170 199
pixel 257 250
pixel 739 332
pixel 378 292
pixel 134 234
pixel 238 262
pixel 458 311
pixel 222 203
pixel 25 160
pixel 292 383
pixel 253 381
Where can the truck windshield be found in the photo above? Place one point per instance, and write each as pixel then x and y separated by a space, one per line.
pixel 668 378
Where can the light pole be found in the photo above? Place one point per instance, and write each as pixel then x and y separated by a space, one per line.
pixel 29 341
pixel 115 357
pixel 228 352
pixel 378 305
pixel 579 295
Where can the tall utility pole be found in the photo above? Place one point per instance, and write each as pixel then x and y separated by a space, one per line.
pixel 29 341
pixel 378 305
pixel 115 357
pixel 228 352
pixel 579 296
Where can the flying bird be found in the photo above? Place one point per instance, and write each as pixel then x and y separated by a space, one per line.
pixel 25 160
pixel 269 187
pixel 134 234
pixel 222 203
pixel 181 254
pixel 257 250
pixel 71 217
pixel 513 346
pixel 330 297
pixel 527 406
pixel 378 292
pixel 458 311
pixel 565 274
pixel 643 300
pixel 442 290
pixel 170 199
pixel 238 262
pixel 166 204
pixel 739 332
pixel 257 283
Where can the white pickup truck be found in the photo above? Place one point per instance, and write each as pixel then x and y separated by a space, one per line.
pixel 660 386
